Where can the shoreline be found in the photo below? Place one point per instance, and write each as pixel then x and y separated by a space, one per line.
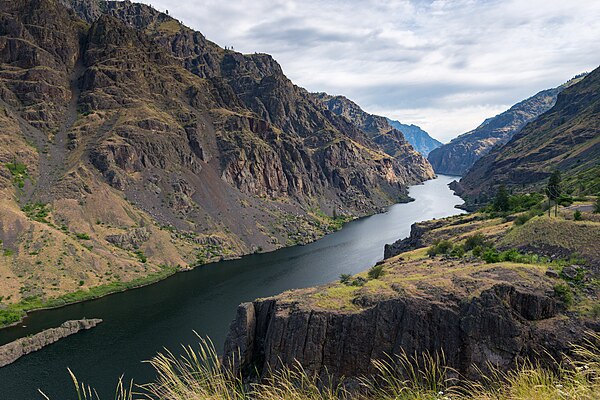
pixel 14 350
pixel 148 280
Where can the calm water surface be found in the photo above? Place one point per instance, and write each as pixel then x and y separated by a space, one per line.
pixel 140 322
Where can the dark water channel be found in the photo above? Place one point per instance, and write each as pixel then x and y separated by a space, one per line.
pixel 140 322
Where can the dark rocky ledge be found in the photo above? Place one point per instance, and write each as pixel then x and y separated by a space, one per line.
pixel 501 325
pixel 12 351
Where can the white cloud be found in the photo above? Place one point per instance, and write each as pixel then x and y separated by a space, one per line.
pixel 440 64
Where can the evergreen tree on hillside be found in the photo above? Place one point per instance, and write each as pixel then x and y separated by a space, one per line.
pixel 554 190
pixel 501 202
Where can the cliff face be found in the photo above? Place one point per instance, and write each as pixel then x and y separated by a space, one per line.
pixel 566 137
pixel 379 129
pixel 475 312
pixel 494 326
pixel 340 105
pixel 117 119
pixel 417 137
pixel 456 157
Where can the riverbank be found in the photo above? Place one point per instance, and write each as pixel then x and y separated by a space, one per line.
pixel 15 313
pixel 138 323
pixel 475 287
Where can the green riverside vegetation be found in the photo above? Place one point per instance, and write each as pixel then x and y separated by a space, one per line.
pixel 13 313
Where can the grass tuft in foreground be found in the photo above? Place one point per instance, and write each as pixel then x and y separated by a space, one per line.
pixel 200 375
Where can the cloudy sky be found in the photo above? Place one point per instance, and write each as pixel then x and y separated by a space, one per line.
pixel 443 65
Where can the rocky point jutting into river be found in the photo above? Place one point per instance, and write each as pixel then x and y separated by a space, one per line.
pixel 473 311
pixel 12 351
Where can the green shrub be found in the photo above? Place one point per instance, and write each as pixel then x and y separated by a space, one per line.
pixel 359 281
pixel 457 251
pixel 491 256
pixel 511 255
pixel 478 251
pixel 524 202
pixel 521 219
pixel 9 317
pixel 375 272
pixel 82 236
pixel 502 200
pixel 345 278
pixel 19 173
pixel 565 200
pixel 564 293
pixel 141 256
pixel 37 211
pixel 440 247
pixel 577 215
pixel 474 241
pixel 597 205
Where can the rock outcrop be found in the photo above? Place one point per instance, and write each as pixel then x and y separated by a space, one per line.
pixel 477 313
pixel 131 240
pixel 12 351
pixel 499 323
pixel 380 130
pixel 456 157
pixel 424 233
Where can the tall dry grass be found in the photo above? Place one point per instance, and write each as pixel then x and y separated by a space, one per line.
pixel 200 375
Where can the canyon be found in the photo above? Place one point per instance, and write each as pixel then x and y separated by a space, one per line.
pixel 132 146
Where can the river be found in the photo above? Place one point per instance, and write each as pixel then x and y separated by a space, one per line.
pixel 139 323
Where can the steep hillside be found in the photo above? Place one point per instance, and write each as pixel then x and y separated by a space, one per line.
pixel 378 129
pixel 131 147
pixel 391 135
pixel 567 138
pixel 417 137
pixel 456 157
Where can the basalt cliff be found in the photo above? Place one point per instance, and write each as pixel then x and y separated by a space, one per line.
pixel 424 298
pixel 379 129
pixel 130 143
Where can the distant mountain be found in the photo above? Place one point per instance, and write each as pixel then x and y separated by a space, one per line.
pixel 456 157
pixel 567 138
pixel 417 137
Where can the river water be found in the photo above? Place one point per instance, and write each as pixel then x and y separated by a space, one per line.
pixel 141 322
